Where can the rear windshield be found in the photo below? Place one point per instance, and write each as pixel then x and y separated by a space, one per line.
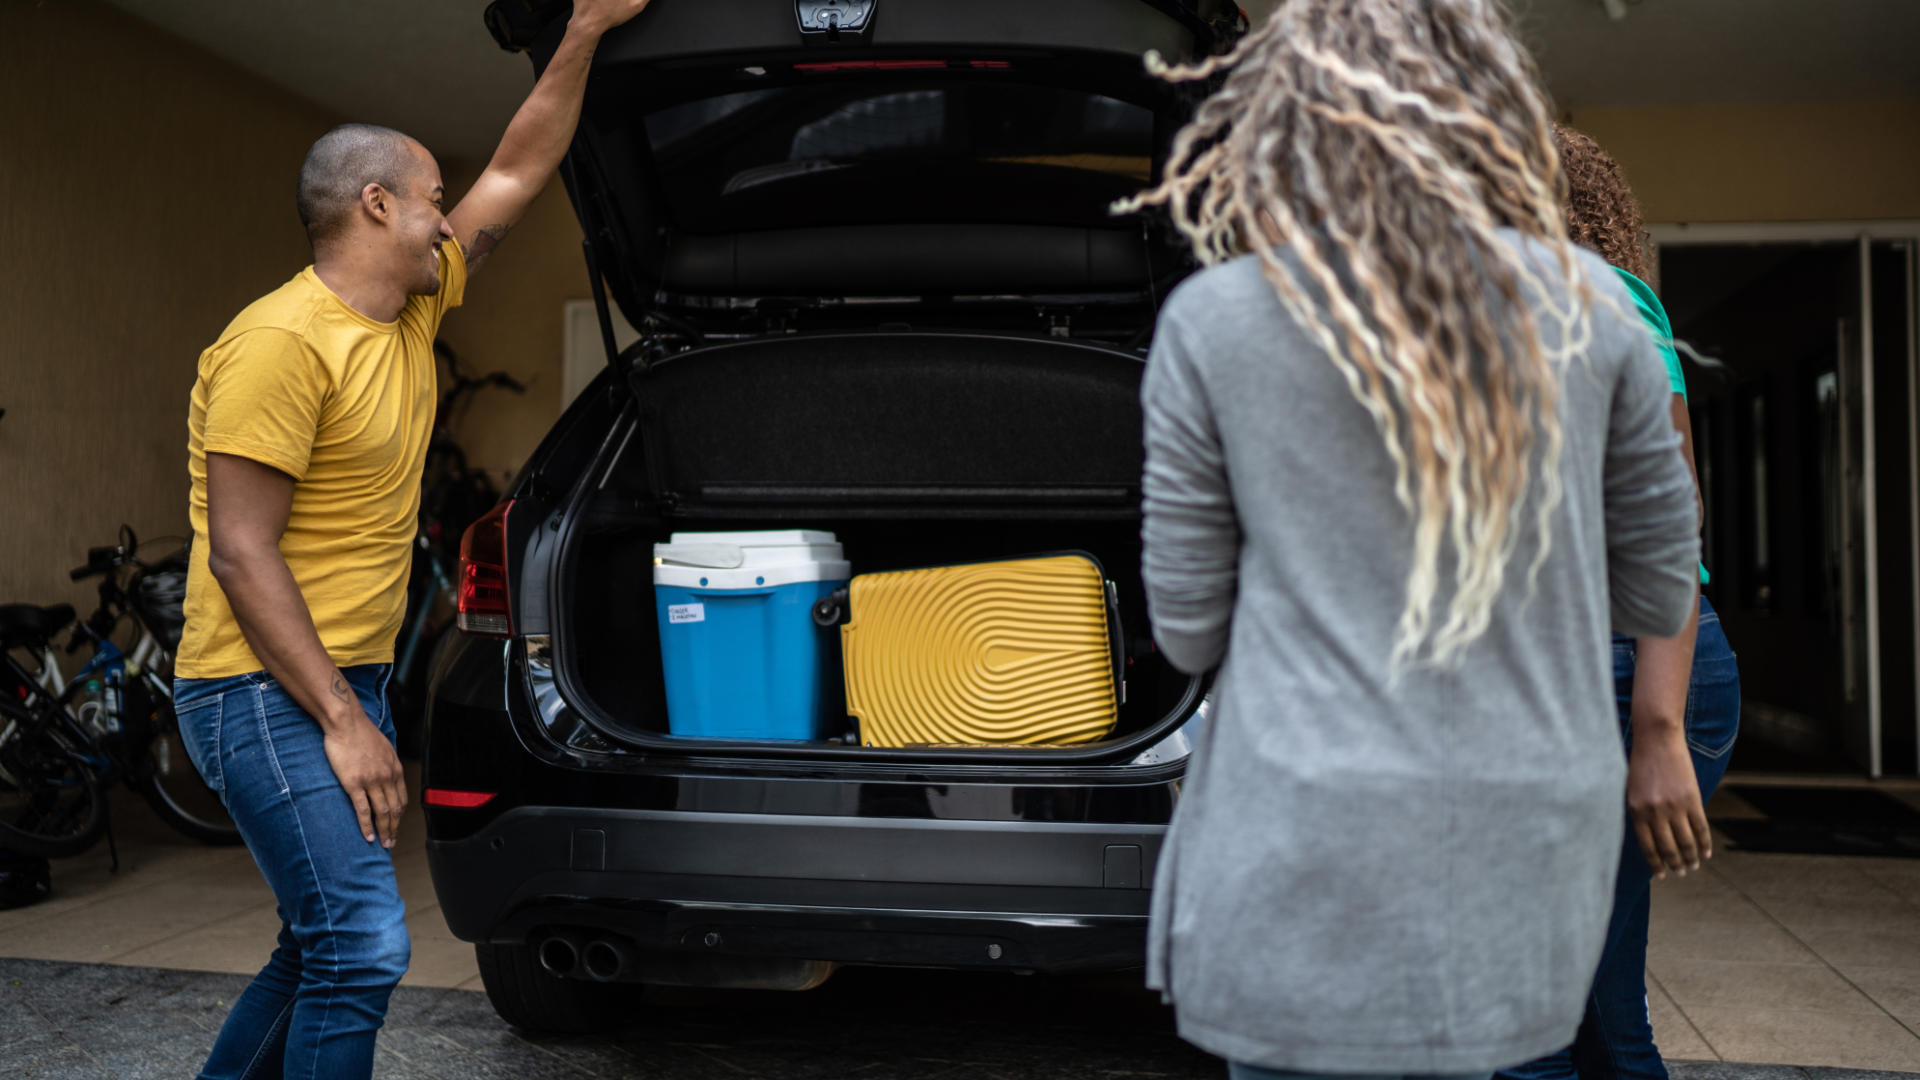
pixel 849 152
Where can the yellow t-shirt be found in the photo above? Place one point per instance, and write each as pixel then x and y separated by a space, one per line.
pixel 344 405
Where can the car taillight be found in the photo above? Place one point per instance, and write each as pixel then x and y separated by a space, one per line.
pixel 483 576
pixel 458 800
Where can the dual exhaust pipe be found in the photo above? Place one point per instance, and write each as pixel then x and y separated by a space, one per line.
pixel 601 959
pixel 604 957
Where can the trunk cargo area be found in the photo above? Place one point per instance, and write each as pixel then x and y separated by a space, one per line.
pixel 915 449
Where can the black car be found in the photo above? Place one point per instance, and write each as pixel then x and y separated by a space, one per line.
pixel 881 292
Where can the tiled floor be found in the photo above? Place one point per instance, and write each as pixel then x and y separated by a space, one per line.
pixel 179 904
pixel 1766 959
pixel 1788 959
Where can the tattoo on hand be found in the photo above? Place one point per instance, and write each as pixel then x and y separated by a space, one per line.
pixel 483 243
pixel 340 689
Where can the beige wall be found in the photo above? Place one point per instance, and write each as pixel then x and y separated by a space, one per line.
pixel 1783 162
pixel 146 195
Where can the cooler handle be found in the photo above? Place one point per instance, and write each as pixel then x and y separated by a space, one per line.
pixel 711 556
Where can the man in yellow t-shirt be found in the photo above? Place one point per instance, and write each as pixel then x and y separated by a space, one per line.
pixel 307 433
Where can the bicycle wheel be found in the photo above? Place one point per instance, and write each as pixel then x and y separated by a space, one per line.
pixel 51 802
pixel 171 785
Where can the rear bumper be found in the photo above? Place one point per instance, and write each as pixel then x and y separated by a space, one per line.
pixel 1046 896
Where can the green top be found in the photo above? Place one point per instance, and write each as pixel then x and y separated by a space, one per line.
pixel 1656 319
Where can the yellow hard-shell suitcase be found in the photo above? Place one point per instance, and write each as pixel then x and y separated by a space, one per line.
pixel 1022 652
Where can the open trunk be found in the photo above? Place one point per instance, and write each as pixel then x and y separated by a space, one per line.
pixel 736 171
pixel 917 449
pixel 870 265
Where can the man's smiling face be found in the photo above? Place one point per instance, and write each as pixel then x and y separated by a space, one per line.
pixel 421 224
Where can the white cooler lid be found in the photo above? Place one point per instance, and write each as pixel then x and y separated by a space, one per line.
pixel 746 560
pixel 763 538
pixel 733 550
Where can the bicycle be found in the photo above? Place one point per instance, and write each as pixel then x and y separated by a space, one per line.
pixel 113 720
pixel 52 803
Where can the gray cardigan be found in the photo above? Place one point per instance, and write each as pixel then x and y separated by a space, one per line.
pixel 1365 877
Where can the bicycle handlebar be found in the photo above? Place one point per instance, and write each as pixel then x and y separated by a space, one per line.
pixel 100 560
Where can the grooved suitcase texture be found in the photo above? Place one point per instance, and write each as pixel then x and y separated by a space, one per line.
pixel 1016 652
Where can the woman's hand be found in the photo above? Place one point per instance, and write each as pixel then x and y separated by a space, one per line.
pixel 1663 799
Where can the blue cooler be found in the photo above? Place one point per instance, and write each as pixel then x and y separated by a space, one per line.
pixel 742 655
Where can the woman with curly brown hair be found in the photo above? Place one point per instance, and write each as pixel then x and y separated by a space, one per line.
pixel 1678 697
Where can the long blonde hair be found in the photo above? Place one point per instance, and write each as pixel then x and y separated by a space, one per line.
pixel 1384 143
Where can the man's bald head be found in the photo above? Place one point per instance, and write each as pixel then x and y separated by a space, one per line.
pixel 338 168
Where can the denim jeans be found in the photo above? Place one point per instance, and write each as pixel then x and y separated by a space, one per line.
pixel 1237 1071
pixel 313 1011
pixel 1616 1037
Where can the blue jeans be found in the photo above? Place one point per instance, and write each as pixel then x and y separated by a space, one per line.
pixel 1616 1037
pixel 1237 1071
pixel 313 1011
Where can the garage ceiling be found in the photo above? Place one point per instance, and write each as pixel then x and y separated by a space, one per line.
pixel 426 67
pixel 429 68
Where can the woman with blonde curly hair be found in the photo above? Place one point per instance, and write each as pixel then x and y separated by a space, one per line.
pixel 1678 697
pixel 1408 462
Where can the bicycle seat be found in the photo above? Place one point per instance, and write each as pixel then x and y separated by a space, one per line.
pixel 27 626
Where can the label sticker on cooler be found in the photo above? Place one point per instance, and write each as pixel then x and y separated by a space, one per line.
pixel 686 613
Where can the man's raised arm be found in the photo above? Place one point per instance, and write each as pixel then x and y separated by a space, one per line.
pixel 539 135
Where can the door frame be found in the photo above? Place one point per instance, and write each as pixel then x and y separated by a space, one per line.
pixel 1763 232
pixel 1864 233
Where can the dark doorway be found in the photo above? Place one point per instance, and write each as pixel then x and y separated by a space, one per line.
pixel 1810 572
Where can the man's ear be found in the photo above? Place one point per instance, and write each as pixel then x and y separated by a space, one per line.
pixel 377 202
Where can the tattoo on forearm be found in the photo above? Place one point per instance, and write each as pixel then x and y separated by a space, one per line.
pixel 483 243
pixel 340 689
